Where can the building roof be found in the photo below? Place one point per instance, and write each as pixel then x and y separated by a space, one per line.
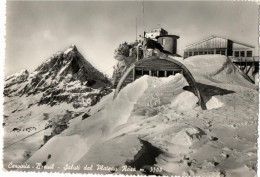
pixel 213 36
pixel 175 36
pixel 154 29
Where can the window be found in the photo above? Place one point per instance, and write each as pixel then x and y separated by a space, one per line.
pixel 205 52
pixel 211 52
pixel 146 72
pixel 236 53
pixel 195 53
pixel 190 53
pixel 138 72
pixel 242 53
pixel 223 52
pixel 161 73
pixel 217 51
pixel 154 73
pixel 186 54
pixel 249 53
pixel 200 53
pixel 169 73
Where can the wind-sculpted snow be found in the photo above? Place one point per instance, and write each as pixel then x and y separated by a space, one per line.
pixel 215 68
pixel 98 126
pixel 103 125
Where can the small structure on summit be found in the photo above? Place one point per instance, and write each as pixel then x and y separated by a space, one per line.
pixel 155 32
pixel 167 41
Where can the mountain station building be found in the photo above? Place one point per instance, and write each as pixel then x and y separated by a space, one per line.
pixel 219 45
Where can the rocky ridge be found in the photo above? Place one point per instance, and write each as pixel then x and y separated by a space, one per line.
pixel 65 77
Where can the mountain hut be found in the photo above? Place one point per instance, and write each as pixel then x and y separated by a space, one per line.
pixel 158 67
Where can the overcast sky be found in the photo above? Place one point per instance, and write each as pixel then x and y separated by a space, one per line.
pixel 37 30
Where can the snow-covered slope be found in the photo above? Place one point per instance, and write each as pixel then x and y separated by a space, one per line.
pixel 155 125
pixel 170 133
pixel 63 87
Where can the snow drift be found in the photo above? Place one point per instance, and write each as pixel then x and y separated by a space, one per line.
pixel 215 68
pixel 101 126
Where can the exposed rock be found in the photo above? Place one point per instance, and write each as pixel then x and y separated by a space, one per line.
pixel 86 115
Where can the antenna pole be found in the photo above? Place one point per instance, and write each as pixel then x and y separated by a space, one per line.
pixel 143 16
pixel 136 28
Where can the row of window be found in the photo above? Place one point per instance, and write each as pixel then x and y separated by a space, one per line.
pixel 156 73
pixel 211 52
pixel 243 54
pixel 221 52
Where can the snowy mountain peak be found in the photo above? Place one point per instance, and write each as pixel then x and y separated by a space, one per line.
pixel 72 47
pixel 57 72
